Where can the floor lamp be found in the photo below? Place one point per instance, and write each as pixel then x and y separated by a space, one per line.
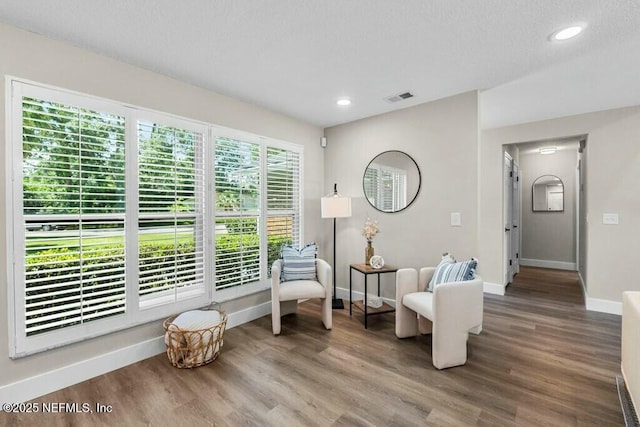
pixel 335 206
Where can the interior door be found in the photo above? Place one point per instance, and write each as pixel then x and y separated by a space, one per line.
pixel 508 221
pixel 515 219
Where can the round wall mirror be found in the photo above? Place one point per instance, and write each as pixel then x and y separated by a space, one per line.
pixel 548 194
pixel 391 181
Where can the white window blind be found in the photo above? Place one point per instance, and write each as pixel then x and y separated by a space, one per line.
pixel 171 213
pixel 283 200
pixel 237 204
pixel 73 184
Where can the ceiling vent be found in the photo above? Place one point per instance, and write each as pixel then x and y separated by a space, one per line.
pixel 399 97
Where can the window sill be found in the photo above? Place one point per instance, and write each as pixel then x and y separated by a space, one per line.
pixel 237 292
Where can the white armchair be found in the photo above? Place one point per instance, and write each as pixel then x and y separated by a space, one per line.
pixel 449 313
pixel 285 295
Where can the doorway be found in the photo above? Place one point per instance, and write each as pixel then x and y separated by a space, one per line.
pixel 548 238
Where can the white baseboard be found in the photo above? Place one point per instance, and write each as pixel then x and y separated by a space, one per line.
pixel 248 314
pixel 604 306
pixel 493 288
pixel 558 265
pixel 48 382
pixel 600 305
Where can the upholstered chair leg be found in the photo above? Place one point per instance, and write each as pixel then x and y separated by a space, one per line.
pixel 425 326
pixel 275 316
pixel 327 318
pixel 449 349
pixel 406 321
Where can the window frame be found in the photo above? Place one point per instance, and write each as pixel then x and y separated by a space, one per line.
pixel 21 345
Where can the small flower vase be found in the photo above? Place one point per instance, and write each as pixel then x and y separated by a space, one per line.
pixel 368 252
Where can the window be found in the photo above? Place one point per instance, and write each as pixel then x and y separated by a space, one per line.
pixel 237 183
pixel 249 198
pixel 170 213
pixel 122 216
pixel 73 215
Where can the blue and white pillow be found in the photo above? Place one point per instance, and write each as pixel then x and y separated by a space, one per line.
pixel 447 272
pixel 299 264
pixel 447 258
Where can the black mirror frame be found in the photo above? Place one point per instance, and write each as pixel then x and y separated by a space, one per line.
pixel 417 191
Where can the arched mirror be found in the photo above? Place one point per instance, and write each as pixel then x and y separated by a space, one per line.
pixel 391 181
pixel 548 194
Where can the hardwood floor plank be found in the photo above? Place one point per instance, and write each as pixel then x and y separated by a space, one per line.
pixel 541 359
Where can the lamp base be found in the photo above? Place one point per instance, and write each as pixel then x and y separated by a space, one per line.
pixel 337 304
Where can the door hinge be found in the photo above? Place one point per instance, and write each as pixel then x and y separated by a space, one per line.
pixel 511 174
pixel 517 256
pixel 510 262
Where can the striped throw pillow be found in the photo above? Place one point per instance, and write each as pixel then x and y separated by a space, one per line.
pixel 447 272
pixel 299 264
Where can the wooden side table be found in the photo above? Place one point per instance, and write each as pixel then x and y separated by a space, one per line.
pixel 367 270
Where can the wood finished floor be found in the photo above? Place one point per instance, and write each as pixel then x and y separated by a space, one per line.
pixel 541 359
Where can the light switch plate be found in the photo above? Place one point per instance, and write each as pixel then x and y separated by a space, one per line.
pixel 456 219
pixel 610 218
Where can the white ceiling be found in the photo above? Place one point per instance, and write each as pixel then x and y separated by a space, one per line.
pixel 298 56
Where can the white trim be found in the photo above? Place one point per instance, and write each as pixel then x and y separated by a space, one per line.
pixel 248 314
pixel 493 288
pixel 600 305
pixel 583 286
pixel 558 265
pixel 603 306
pixel 10 136
pixel 476 330
pixel 48 382
pixel 66 376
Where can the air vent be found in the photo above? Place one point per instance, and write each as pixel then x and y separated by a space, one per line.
pixel 399 97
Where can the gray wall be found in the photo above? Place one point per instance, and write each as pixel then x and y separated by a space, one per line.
pixel 29 56
pixel 442 137
pixel 549 236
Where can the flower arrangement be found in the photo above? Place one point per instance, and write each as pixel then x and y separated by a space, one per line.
pixel 370 229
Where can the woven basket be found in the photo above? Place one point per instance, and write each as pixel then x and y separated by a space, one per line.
pixel 190 349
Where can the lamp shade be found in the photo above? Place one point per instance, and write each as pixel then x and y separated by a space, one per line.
pixel 335 206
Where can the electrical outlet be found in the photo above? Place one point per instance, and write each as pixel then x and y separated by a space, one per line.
pixel 610 218
pixel 456 219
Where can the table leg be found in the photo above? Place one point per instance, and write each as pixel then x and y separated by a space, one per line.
pixel 350 278
pixel 378 284
pixel 365 300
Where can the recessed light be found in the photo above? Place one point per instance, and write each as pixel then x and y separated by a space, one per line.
pixel 343 101
pixel 567 33
pixel 548 150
